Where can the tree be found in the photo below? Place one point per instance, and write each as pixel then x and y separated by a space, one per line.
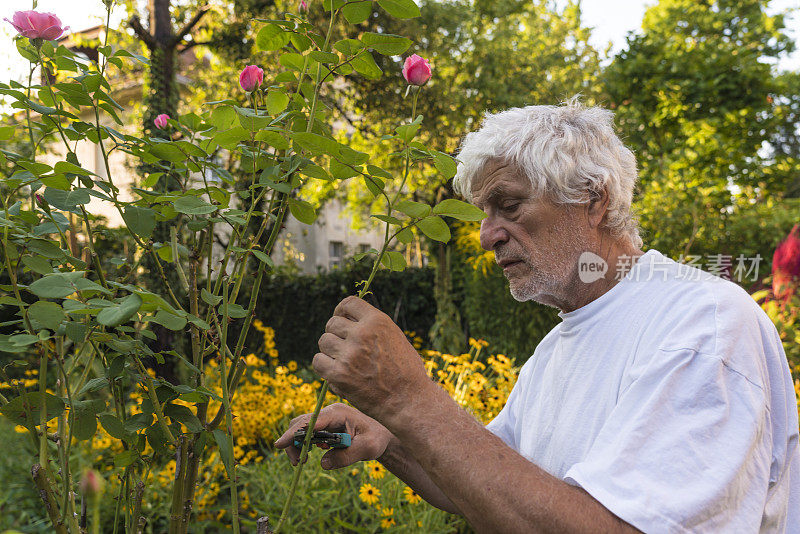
pixel 699 101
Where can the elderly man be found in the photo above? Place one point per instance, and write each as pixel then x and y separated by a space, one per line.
pixel 662 402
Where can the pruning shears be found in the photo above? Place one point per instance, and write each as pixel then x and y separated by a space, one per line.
pixel 323 439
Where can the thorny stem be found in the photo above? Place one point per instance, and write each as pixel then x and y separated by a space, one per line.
pixel 363 291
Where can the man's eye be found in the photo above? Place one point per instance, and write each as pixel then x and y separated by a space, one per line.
pixel 510 207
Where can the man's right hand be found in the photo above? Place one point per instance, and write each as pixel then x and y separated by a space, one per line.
pixel 369 438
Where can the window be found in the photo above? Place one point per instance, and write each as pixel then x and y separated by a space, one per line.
pixel 335 254
pixel 363 248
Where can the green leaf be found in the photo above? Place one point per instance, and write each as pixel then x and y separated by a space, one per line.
pixel 315 171
pixel 126 458
pixel 48 314
pixel 209 298
pixel 222 117
pixel 276 102
pixel 273 139
pixel 316 144
pixel 184 415
pixel 445 164
pixel 38 264
pixel 191 205
pixel 168 320
pixel 225 451
pixel 263 257
pixel 405 236
pixel 406 132
pixel 112 425
pixel 393 260
pixel 157 438
pixel 385 43
pixel 120 313
pixel 137 422
pixel 46 248
pixel 66 200
pixel 16 408
pixel 95 384
pixel 357 12
pixel 302 211
pixel 387 219
pixel 84 418
pixel 348 47
pixel 140 221
pixel 68 168
pixel 55 286
pixel 167 152
pixel 458 209
pixel 414 209
pixel 324 57
pixel 435 228
pixel 235 311
pixel 272 37
pixel 402 9
pixel 365 65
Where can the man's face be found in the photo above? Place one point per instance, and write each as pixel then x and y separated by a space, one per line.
pixel 536 242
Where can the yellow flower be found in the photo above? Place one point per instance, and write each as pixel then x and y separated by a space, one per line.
pixel 411 495
pixel 375 470
pixel 387 522
pixel 369 494
pixel 387 511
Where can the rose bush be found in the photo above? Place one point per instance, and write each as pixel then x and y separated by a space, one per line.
pixel 84 321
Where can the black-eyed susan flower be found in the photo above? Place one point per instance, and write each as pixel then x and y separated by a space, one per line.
pixel 411 495
pixel 369 494
pixel 375 470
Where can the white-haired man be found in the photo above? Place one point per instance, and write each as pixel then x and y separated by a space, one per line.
pixel 662 402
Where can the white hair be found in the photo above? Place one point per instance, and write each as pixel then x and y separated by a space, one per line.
pixel 569 153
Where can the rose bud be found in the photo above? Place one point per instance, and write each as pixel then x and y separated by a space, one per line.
pixel 92 483
pixel 251 78
pixel 416 70
pixel 35 25
pixel 161 121
pixel 303 7
pixel 786 265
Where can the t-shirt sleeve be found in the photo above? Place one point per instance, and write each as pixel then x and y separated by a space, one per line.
pixel 686 449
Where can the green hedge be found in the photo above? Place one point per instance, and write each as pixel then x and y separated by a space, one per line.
pixel 298 306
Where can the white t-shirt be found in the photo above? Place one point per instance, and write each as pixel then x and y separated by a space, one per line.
pixel 669 400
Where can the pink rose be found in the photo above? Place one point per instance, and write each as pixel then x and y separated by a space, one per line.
pixel 416 70
pixel 35 25
pixel 303 8
pixel 786 265
pixel 251 78
pixel 161 121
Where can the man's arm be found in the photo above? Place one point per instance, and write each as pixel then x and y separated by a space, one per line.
pixel 497 489
pixel 368 360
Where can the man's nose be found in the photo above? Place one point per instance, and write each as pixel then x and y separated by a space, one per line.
pixel 493 233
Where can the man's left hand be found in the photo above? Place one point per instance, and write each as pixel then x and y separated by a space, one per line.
pixel 368 360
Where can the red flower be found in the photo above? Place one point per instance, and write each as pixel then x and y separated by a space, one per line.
pixel 416 70
pixel 786 265
pixel 251 78
pixel 35 25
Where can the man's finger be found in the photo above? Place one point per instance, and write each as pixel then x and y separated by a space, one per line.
pixel 330 343
pixel 338 326
pixel 352 308
pixel 323 364
pixel 360 449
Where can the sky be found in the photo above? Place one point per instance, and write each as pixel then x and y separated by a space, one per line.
pixel 611 20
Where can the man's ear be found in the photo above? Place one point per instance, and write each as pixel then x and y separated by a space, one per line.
pixel 597 207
